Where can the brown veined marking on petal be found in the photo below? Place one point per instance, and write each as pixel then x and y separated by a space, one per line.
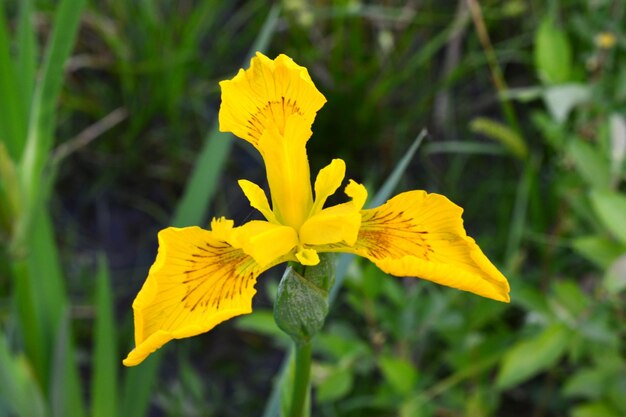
pixel 224 263
pixel 271 111
pixel 391 233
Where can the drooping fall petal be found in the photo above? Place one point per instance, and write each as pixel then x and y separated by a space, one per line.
pixel 422 235
pixel 196 282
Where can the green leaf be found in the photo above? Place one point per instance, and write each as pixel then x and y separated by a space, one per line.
pixel 26 56
pixel 599 250
pixel 587 383
pixel 610 207
pixel 553 53
pixel 597 409
pixel 615 278
pixel 261 322
pixel 592 166
pixel 392 181
pixel 106 360
pixel 13 126
pixel 43 106
pixel 618 144
pixel 500 132
pixel 400 373
pixel 335 386
pixel 529 357
pixel 139 386
pixel 570 296
pixel 66 397
pixel 19 391
pixel 617 388
pixel 561 99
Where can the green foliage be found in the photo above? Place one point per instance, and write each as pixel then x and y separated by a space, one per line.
pixel 553 53
pixel 552 217
pixel 531 356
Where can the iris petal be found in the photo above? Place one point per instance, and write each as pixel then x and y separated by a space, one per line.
pixel 266 95
pixel 265 242
pixel 328 180
pixel 421 234
pixel 196 282
pixel 338 223
pixel 258 199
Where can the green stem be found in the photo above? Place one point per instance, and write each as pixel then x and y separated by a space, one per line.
pixel 301 380
pixel 494 67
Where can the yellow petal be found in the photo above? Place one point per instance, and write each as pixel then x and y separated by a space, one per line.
pixel 265 242
pixel 421 234
pixel 336 224
pixel 358 193
pixel 222 228
pixel 328 180
pixel 265 95
pixel 331 225
pixel 308 257
pixel 196 282
pixel 287 168
pixel 258 199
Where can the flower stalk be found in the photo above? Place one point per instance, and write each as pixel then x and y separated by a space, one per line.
pixel 301 380
pixel 300 310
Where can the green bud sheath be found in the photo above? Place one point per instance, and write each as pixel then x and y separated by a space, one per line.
pixel 302 301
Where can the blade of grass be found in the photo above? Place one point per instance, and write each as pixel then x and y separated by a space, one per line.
pixel 43 107
pixel 30 319
pixel 11 106
pixel 464 147
pixel 518 221
pixel 105 362
pixel 65 393
pixel 46 274
pixel 138 385
pixel 40 296
pixel 19 393
pixel 26 59
pixel 392 181
pixel 203 182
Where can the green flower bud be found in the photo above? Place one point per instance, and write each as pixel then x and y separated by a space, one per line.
pixel 302 300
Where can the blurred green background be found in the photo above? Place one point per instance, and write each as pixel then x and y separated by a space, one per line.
pixel 108 134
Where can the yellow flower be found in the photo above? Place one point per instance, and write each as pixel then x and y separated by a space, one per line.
pixel 605 40
pixel 203 277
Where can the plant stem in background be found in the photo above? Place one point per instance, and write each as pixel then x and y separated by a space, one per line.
pixel 492 61
pixel 301 379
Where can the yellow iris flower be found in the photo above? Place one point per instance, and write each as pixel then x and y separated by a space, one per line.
pixel 201 278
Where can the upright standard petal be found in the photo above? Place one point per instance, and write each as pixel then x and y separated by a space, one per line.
pixel 328 180
pixel 266 95
pixel 257 198
pixel 197 281
pixel 287 168
pixel 420 234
